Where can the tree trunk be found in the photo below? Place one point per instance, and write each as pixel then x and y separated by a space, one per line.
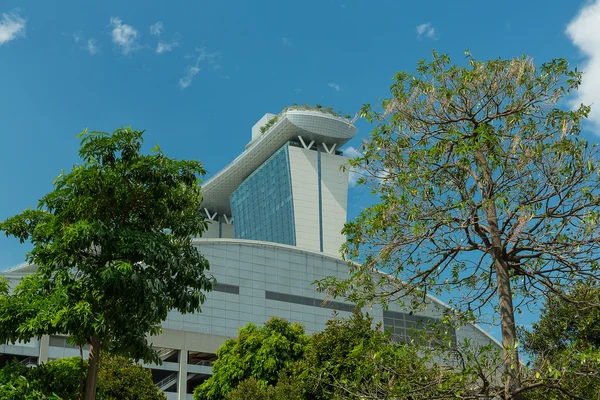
pixel 92 377
pixel 80 372
pixel 512 367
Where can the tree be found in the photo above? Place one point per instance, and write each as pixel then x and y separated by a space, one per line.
pixel 112 243
pixel 351 359
pixel 60 377
pixel 564 345
pixel 14 384
pixel 258 352
pixel 487 192
pixel 119 378
pixel 286 388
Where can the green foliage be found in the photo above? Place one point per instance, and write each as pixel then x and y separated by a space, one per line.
pixel 259 353
pixel 249 389
pixel 286 388
pixel 61 377
pixel 317 107
pixel 269 124
pixel 351 359
pixel 564 345
pixel 328 356
pixel 486 192
pixel 119 379
pixel 112 243
pixel 15 384
pixel 566 325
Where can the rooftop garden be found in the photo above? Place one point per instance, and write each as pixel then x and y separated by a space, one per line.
pixel 307 107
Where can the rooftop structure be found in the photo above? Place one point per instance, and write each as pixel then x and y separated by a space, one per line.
pixel 287 186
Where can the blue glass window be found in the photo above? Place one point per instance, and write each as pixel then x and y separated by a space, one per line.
pixel 262 206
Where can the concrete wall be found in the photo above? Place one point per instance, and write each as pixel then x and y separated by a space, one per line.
pixel 304 168
pixel 305 197
pixel 256 133
pixel 334 197
pixel 255 270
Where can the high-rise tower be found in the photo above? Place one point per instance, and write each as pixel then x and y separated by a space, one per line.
pixel 287 186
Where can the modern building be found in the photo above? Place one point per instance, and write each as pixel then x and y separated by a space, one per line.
pixel 276 213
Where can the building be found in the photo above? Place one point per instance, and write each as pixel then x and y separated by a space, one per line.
pixel 276 214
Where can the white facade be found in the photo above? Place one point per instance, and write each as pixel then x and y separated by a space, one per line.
pixel 305 196
pixel 320 196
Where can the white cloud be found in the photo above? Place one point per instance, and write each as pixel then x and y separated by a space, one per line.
pixel 188 76
pixel 584 32
pixel 353 175
pixel 164 47
pixel 335 86
pixel 156 29
pixel 286 42
pixel 92 47
pixel 200 57
pixel 426 30
pixel 123 35
pixel 89 45
pixel 12 26
pixel 77 37
pixel 352 152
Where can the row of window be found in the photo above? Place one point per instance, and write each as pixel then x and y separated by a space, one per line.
pixel 309 301
pixel 262 205
pixel 404 324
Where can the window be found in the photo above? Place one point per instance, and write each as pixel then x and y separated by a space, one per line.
pixel 262 205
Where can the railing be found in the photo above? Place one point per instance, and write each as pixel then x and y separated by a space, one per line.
pixel 204 363
pixel 29 361
pixel 167 382
pixel 165 353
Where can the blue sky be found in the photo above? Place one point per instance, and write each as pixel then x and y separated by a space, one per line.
pixel 198 74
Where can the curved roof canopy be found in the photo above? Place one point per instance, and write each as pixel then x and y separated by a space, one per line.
pixel 311 125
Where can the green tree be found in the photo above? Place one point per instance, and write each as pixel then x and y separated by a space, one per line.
pixel 487 192
pixel 351 359
pixel 258 352
pixel 564 345
pixel 60 377
pixel 112 243
pixel 286 388
pixel 15 384
pixel 119 378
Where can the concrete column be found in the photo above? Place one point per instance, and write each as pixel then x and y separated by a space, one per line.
pixel 182 382
pixel 44 344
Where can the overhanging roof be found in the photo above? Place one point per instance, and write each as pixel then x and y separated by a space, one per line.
pixel 312 125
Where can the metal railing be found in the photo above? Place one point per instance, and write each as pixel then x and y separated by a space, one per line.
pixel 29 361
pixel 167 382
pixel 165 353
pixel 204 363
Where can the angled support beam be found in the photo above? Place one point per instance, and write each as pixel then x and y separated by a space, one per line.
pixel 228 221
pixel 304 143
pixel 210 217
pixel 329 150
